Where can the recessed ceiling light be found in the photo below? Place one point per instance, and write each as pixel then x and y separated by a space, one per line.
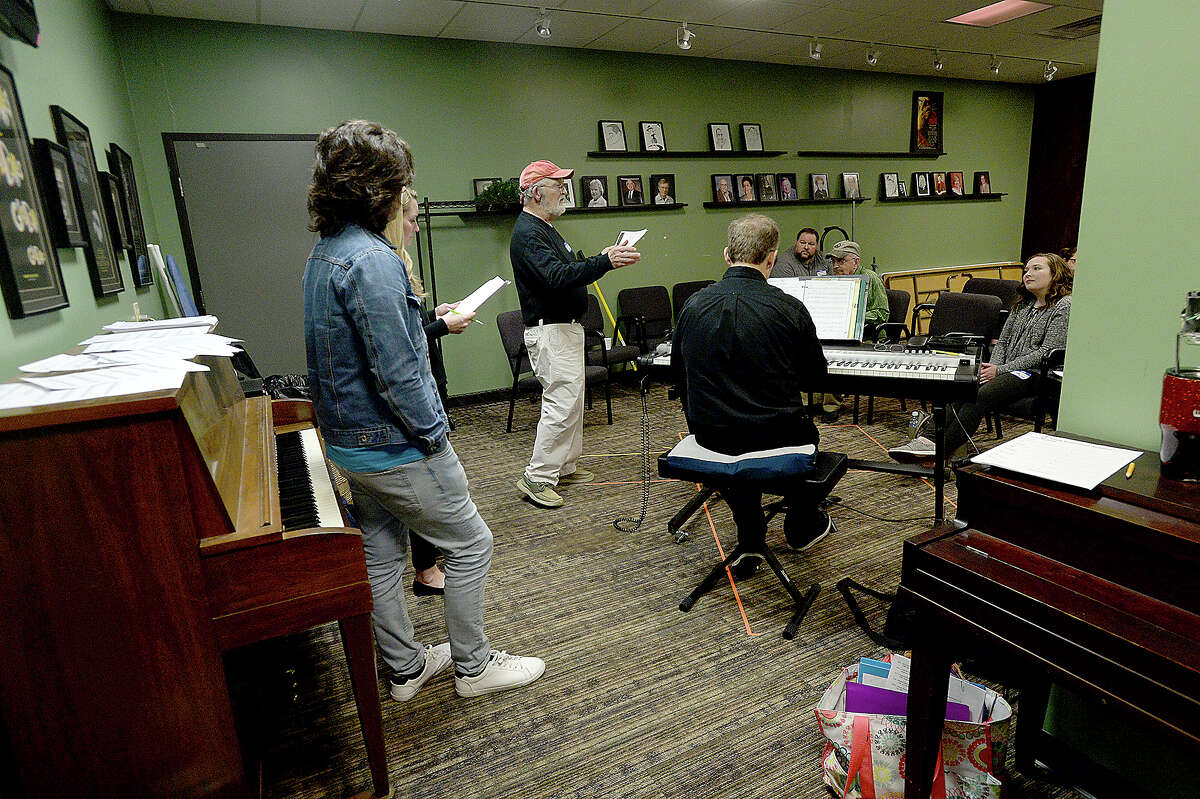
pixel 996 13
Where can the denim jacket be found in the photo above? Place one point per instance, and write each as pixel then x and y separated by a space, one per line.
pixel 368 358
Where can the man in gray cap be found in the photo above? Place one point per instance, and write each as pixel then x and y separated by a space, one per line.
pixel 803 260
pixel 845 258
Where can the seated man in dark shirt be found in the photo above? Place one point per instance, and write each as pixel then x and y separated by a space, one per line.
pixel 745 353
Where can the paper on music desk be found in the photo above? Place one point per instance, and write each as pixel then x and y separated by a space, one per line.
pixel 177 343
pixel 23 394
pixel 131 379
pixel 481 295
pixel 629 238
pixel 832 304
pixel 1063 460
pixel 207 322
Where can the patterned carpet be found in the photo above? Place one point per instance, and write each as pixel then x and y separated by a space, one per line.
pixel 639 700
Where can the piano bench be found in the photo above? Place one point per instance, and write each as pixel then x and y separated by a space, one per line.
pixel 778 472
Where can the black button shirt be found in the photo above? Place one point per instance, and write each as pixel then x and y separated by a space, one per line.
pixel 745 354
pixel 551 284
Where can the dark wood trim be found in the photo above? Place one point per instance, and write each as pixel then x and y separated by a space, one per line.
pixel 947 198
pixel 772 203
pixel 689 154
pixel 864 154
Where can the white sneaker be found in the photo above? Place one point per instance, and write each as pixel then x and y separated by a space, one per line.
pixel 437 658
pixel 919 449
pixel 503 671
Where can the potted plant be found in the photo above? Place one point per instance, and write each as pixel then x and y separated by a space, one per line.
pixel 504 195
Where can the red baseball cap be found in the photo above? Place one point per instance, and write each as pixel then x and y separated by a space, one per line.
pixel 542 169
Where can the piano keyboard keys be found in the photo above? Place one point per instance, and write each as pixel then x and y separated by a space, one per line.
pixel 306 494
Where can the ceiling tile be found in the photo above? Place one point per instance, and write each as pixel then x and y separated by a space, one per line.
pixel 772 15
pixel 332 14
pixel 691 10
pixel 489 23
pixel 224 10
pixel 637 36
pixel 572 30
pixel 407 17
pixel 130 6
pixel 607 6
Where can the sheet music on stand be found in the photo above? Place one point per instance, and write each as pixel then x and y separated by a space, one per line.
pixel 837 305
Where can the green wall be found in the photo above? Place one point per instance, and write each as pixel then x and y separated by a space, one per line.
pixel 473 109
pixel 1137 233
pixel 76 67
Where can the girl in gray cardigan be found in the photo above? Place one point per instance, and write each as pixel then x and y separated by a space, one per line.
pixel 1036 325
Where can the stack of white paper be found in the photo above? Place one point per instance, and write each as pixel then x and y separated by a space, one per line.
pixel 206 322
pixel 1063 460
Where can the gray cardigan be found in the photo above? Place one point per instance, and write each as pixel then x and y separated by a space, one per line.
pixel 1029 334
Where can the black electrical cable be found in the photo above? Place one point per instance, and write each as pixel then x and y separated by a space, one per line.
pixel 629 524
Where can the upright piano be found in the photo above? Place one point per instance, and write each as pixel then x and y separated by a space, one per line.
pixel 1097 590
pixel 141 537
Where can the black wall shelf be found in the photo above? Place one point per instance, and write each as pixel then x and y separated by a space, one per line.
pixel 864 154
pixel 948 198
pixel 688 154
pixel 466 210
pixel 772 203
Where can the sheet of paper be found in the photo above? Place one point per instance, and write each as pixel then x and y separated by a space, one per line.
pixel 629 238
pixel 969 694
pixel 173 343
pixel 481 295
pixel 24 394
pixel 206 322
pixel 833 303
pixel 898 674
pixel 117 380
pixel 1063 460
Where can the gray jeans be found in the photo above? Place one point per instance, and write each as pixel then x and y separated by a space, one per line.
pixel 431 497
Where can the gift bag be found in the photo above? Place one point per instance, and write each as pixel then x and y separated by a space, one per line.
pixel 863 756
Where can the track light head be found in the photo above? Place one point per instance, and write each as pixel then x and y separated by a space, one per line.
pixel 937 61
pixel 815 50
pixel 995 67
pixel 872 56
pixel 684 37
pixel 543 24
pixel 1050 71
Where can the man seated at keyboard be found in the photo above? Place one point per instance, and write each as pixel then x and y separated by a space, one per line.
pixel 744 354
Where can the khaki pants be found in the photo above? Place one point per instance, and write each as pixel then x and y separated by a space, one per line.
pixel 556 352
pixel 831 402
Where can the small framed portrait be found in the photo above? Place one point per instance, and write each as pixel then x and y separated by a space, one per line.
pixel 720 139
pixel 662 189
pixel 594 189
pixel 723 188
pixel 890 182
pixel 787 186
pixel 54 179
pixel 983 183
pixel 630 187
pixel 751 136
pixel 956 184
pixel 819 183
pixel 938 181
pixel 745 188
pixel 850 186
pixel 612 136
pixel 114 212
pixel 569 186
pixel 903 189
pixel 766 187
pixel 928 123
pixel 120 163
pixel 920 184
pixel 481 184
pixel 653 140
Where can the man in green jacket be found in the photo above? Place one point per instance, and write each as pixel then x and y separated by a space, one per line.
pixel 846 259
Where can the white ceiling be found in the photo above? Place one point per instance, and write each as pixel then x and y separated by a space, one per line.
pixel 905 32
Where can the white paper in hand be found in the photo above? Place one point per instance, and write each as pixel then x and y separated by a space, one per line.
pixel 629 238
pixel 481 295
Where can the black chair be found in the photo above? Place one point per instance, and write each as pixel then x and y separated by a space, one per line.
pixel 893 331
pixel 829 468
pixel 1044 402
pixel 1006 290
pixel 682 292
pixel 645 316
pixel 512 338
pixel 970 316
pixel 598 351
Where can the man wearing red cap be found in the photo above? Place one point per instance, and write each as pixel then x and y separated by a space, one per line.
pixel 552 287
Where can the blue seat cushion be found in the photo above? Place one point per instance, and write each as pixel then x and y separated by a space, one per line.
pixel 688 458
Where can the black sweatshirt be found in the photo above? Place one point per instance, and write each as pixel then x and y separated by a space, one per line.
pixel 551 284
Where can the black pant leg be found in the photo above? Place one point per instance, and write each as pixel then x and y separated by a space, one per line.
pixel 424 554
pixel 746 505
pixel 962 419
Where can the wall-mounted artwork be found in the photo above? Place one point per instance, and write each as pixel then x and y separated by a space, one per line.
pixel 120 163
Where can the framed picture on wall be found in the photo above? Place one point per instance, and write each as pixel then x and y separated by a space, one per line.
pixel 956 184
pixel 720 139
pixel 890 184
pixel 569 188
pixel 30 277
pixel 766 187
pixel 938 181
pixel 120 163
pixel 630 187
pixel 903 189
pixel 723 188
pixel 850 186
pixel 54 181
pixel 612 136
pixel 928 130
pixel 745 188
pixel 819 183
pixel 595 190
pixel 480 185
pixel 101 256
pixel 983 183
pixel 752 139
pixel 663 189
pixel 787 186
pixel 114 212
pixel 920 183
pixel 653 140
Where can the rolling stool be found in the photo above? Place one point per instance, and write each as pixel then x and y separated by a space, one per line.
pixel 775 471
